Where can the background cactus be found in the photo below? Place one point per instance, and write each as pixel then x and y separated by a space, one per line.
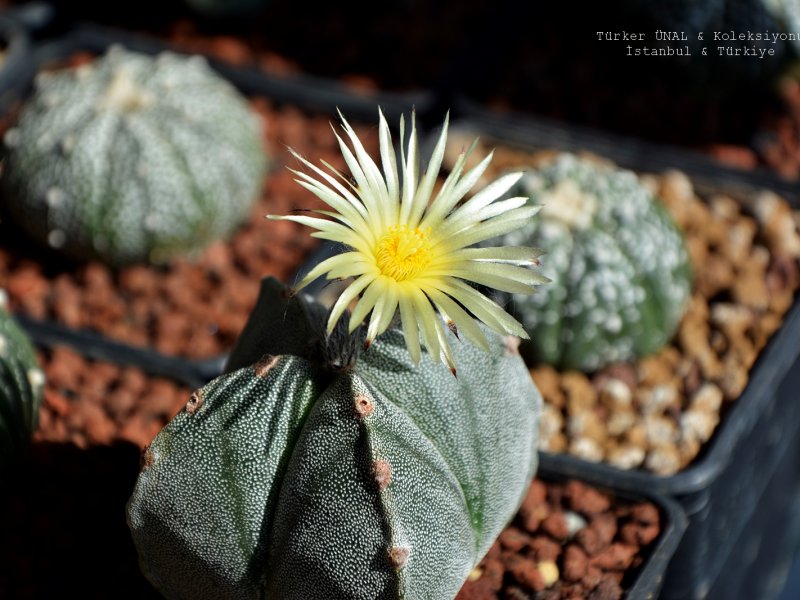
pixel 133 158
pixel 303 473
pixel 21 386
pixel 619 267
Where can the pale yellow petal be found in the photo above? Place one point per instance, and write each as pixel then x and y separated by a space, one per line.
pixel 423 195
pixel 463 321
pixel 488 229
pixel 367 302
pixel 410 326
pixel 410 173
pixel 444 203
pixel 389 161
pixel 329 264
pixel 427 319
pixel 348 295
pixel 466 221
pixel 384 311
pixel 483 308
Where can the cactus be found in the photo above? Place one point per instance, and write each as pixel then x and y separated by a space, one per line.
pixel 310 472
pixel 133 158
pixel 21 386
pixel 619 267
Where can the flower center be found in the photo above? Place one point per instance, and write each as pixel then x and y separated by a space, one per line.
pixel 402 252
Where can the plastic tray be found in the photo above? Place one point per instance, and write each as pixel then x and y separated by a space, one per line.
pixel 742 476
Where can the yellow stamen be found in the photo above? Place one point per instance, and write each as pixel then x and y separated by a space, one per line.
pixel 402 252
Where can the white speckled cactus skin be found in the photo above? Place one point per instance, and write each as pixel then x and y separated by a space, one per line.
pixel 133 158
pixel 620 271
pixel 21 386
pixel 284 480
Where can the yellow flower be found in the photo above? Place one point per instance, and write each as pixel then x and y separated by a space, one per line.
pixel 411 252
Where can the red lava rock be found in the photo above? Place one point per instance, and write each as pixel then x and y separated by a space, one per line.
pixel 481 589
pixel 525 572
pixel 544 548
pixel 121 403
pixel 512 563
pixel 231 50
pixel 734 156
pixel 55 402
pixel 575 563
pixel 534 506
pixel 646 514
pixel 605 526
pixel 586 500
pixel 591 541
pixel 513 539
pixel 607 589
pixel 65 369
pixel 493 573
pixel 617 557
pixel 594 575
pixel 635 533
pixel 99 428
pixel 556 525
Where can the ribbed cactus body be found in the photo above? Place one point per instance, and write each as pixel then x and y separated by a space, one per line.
pixel 21 386
pixel 133 158
pixel 619 266
pixel 284 480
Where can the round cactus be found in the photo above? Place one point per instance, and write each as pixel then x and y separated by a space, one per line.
pixel 21 386
pixel 312 475
pixel 619 267
pixel 133 158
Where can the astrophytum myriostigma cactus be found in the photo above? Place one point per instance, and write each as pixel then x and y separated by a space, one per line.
pixel 306 474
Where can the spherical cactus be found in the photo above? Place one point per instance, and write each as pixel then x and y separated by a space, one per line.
pixel 307 475
pixel 619 267
pixel 133 158
pixel 21 386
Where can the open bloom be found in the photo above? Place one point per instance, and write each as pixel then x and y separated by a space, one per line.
pixel 409 252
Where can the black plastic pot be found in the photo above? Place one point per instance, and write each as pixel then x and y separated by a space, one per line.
pixel 743 492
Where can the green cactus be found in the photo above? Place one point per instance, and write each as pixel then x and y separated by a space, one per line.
pixel 619 267
pixel 133 158
pixel 21 386
pixel 307 472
